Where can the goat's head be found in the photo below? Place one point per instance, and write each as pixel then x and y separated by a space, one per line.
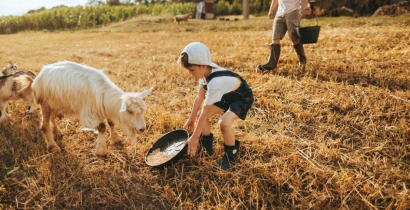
pixel 13 66
pixel 24 82
pixel 9 69
pixel 131 113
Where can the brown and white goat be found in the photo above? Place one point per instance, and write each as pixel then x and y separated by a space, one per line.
pixel 179 18
pixel 16 86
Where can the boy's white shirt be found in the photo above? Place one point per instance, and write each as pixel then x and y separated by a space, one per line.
pixel 287 6
pixel 218 86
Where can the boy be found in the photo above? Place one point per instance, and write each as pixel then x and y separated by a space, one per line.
pixel 220 91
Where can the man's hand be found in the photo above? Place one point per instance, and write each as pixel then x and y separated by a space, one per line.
pixel 307 12
pixel 272 14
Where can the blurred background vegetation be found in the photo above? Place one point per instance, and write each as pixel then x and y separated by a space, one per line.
pixel 100 12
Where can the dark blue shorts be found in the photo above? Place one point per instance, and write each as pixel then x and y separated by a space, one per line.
pixel 240 107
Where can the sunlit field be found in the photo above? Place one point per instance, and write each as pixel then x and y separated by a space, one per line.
pixel 335 136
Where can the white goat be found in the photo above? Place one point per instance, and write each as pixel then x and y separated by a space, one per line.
pixel 9 69
pixel 71 88
pixel 16 86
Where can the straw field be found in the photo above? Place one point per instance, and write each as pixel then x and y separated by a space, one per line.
pixel 335 136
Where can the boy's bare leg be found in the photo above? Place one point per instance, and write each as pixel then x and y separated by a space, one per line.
pixel 225 124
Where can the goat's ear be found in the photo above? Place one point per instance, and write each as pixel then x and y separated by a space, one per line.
pixel 146 92
pixel 123 107
pixel 31 74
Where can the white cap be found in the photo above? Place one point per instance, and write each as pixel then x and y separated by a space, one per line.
pixel 199 54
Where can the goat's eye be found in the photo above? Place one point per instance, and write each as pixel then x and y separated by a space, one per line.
pixel 129 111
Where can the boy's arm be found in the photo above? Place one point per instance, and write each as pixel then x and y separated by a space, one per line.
pixel 199 99
pixel 201 122
pixel 194 139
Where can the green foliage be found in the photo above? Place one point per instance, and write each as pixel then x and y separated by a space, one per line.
pixel 157 9
pixel 180 8
pixel 236 7
pixel 73 18
pixel 223 7
pixel 114 2
pixel 259 7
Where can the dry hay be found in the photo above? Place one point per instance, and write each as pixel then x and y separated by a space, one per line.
pixel 333 137
pixel 394 9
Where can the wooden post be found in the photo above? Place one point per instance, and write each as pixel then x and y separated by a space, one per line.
pixel 245 9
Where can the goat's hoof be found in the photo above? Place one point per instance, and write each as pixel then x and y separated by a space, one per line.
pixel 101 153
pixel 54 148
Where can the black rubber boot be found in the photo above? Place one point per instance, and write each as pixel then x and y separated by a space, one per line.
pixel 206 144
pixel 273 58
pixel 229 158
pixel 301 54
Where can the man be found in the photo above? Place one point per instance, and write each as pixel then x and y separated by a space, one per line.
pixel 288 16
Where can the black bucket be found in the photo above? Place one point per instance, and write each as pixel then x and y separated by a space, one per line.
pixel 173 142
pixel 308 34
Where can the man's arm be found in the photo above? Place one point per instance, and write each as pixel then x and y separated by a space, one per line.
pixel 307 11
pixel 272 8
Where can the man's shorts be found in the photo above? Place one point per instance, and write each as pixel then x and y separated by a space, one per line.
pixel 286 22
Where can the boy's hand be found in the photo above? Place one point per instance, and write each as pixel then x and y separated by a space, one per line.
pixel 192 146
pixel 190 125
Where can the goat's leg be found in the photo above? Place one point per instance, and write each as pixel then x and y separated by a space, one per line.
pixel 3 110
pixel 47 130
pixel 56 130
pixel 115 138
pixel 101 148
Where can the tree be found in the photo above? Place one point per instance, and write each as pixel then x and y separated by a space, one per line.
pixel 113 2
pixel 95 3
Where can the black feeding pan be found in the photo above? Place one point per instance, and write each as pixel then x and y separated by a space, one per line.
pixel 168 149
